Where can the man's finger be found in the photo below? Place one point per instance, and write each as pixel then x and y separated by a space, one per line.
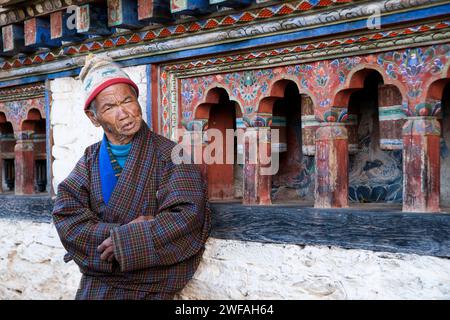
pixel 104 245
pixel 101 247
pixel 108 251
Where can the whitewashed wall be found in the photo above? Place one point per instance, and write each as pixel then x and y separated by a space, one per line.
pixel 32 267
pixel 72 129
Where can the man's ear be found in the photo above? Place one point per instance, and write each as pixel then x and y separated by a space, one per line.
pixel 92 117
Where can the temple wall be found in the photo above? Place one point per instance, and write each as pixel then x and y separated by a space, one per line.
pixel 32 267
pixel 72 129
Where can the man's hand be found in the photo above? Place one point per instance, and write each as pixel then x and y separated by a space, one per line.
pixel 142 219
pixel 107 250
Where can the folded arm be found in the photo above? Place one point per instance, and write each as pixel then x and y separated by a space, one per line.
pixel 179 229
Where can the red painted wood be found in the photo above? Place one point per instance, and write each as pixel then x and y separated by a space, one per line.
pixel 221 176
pixel 421 166
pixel 331 190
pixel 24 166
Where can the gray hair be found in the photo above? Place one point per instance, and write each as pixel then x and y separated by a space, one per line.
pixel 93 108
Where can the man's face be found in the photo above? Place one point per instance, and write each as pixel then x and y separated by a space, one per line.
pixel 118 113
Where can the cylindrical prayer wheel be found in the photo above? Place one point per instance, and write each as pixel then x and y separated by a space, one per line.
pixel 309 126
pixel 391 116
pixel 352 130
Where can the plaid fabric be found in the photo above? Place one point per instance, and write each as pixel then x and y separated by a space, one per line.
pixel 91 288
pixel 114 163
pixel 158 256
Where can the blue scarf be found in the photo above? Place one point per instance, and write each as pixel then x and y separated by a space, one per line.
pixel 108 176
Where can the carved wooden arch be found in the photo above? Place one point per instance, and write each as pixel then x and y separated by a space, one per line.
pixel 277 90
pixel 33 115
pixel 5 115
pixel 212 97
pixel 355 81
pixel 436 85
pixel 4 120
pixel 17 117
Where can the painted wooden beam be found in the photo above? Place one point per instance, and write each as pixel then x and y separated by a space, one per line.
pixel 190 7
pixel 13 38
pixel 231 3
pixel 37 34
pixel 92 20
pixel 123 14
pixel 154 11
pixel 383 229
pixel 63 26
pixel 38 209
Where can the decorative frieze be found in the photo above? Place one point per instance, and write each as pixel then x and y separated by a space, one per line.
pixel 22 93
pixel 153 36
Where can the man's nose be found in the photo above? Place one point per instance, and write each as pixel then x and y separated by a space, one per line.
pixel 121 112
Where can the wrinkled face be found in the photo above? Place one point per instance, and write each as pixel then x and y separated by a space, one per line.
pixel 118 112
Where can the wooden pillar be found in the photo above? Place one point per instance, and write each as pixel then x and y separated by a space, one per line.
pixel 257 187
pixel 421 164
pixel 331 190
pixel 24 163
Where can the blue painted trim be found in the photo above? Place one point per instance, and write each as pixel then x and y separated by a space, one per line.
pixel 47 137
pixel 254 43
pixel 41 78
pixel 148 73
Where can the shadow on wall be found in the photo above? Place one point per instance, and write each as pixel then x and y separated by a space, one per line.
pixel 445 152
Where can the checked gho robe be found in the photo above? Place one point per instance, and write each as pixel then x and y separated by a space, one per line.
pixel 153 259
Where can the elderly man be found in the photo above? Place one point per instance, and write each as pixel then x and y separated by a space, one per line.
pixel 133 221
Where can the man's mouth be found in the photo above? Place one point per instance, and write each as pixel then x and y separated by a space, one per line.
pixel 128 126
